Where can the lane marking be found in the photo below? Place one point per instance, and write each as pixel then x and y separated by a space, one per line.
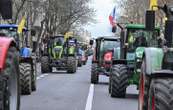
pixel 90 98
pixel 41 76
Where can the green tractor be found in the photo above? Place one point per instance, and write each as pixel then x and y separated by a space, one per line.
pixel 106 49
pixel 156 78
pixel 60 54
pixel 126 71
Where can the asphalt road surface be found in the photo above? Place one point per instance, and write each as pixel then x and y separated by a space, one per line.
pixel 62 91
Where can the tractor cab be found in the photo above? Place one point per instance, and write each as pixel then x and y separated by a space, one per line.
pixel 137 38
pixel 10 30
pixel 57 47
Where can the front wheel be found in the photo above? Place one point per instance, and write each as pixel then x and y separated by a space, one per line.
pixel 26 78
pixel 45 67
pixel 119 81
pixel 71 65
pixel 94 74
pixel 161 94
pixel 9 82
pixel 34 76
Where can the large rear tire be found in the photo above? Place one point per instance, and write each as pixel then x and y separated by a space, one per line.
pixel 45 67
pixel 161 94
pixel 94 74
pixel 9 82
pixel 26 78
pixel 119 81
pixel 71 65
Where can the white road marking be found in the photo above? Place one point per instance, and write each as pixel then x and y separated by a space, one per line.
pixel 41 76
pixel 90 98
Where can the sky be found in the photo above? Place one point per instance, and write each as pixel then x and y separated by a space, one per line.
pixel 103 9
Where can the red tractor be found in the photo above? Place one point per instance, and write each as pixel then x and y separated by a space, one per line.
pixel 9 65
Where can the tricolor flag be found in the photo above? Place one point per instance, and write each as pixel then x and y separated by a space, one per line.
pixel 112 18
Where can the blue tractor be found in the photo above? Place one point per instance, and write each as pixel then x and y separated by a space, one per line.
pixel 27 62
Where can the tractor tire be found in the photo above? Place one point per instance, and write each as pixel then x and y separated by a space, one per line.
pixel 9 82
pixel 25 78
pixel 84 62
pixel 45 67
pixel 161 94
pixel 119 81
pixel 34 77
pixel 110 84
pixel 79 63
pixel 94 74
pixel 71 65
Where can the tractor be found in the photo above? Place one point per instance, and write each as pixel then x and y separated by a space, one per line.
pixel 9 65
pixel 61 54
pixel 106 49
pixel 156 78
pixel 27 63
pixel 126 70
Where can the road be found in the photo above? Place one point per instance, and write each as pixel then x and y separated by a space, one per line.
pixel 62 91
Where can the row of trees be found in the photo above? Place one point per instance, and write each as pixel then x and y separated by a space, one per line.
pixel 56 15
pixel 53 16
pixel 134 10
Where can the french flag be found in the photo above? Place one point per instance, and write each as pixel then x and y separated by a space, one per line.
pixel 112 18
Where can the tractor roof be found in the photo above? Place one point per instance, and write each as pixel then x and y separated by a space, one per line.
pixel 137 26
pixel 108 38
pixel 10 26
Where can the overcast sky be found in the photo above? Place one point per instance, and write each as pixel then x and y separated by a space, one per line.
pixel 103 9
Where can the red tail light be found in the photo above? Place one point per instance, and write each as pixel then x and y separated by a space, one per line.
pixel 108 56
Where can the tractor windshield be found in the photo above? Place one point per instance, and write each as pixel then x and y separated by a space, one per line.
pixel 59 41
pixel 108 45
pixel 142 38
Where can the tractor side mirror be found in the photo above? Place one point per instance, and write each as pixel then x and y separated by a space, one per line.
pixel 33 32
pixel 91 42
pixel 6 9
pixel 150 20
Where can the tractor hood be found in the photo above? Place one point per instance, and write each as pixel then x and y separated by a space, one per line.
pixel 139 52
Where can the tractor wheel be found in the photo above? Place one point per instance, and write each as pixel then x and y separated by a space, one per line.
pixel 26 78
pixel 71 65
pixel 34 77
pixel 45 68
pixel 110 83
pixel 79 63
pixel 9 82
pixel 119 81
pixel 94 74
pixel 161 94
pixel 84 62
